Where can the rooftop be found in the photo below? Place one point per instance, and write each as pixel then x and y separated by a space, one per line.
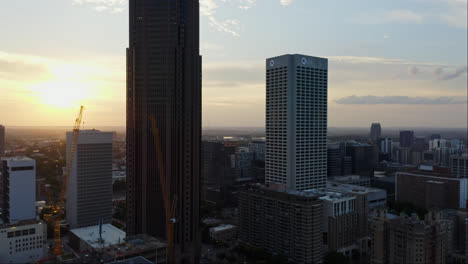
pixel 135 260
pixel 110 234
pixel 336 196
pixel 18 158
pixel 351 188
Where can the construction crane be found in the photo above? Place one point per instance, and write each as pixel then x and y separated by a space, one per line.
pixel 58 207
pixel 168 207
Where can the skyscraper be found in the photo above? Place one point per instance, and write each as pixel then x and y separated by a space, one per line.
pixel 406 139
pixel 164 81
pixel 375 131
pixel 296 121
pixel 19 189
pixel 89 192
pixel 2 141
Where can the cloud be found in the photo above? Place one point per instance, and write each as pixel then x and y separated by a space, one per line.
pixel 208 9
pixel 456 14
pixel 398 100
pixel 286 2
pixel 230 26
pixel 440 75
pixel 386 36
pixel 246 4
pixel 402 16
pixel 114 6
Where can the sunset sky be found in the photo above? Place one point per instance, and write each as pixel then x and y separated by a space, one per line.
pixel 402 63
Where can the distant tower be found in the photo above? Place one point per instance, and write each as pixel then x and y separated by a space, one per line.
pixel 89 193
pixel 2 141
pixel 19 185
pixel 296 121
pixel 406 139
pixel 375 131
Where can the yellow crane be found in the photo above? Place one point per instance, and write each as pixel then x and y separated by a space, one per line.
pixel 58 207
pixel 168 207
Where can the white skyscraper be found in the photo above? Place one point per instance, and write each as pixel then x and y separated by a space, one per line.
pixel 296 121
pixel 19 189
pixel 89 192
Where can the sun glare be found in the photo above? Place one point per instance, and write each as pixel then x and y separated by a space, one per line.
pixel 61 94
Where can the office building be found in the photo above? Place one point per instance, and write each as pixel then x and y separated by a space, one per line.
pixel 408 239
pixel 430 189
pixel 352 179
pixel 406 139
pixel 282 221
pixel 19 189
pixel 385 145
pixel 89 188
pixel 375 131
pixel 258 148
pixel 2 141
pixel 164 81
pixel 374 197
pixel 340 222
pixel 223 233
pixel 334 160
pixel 23 242
pixel 364 158
pixel 296 121
pixel 459 165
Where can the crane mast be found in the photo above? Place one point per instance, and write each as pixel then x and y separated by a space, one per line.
pixel 58 208
pixel 168 207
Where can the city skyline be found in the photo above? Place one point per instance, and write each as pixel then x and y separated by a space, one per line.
pixel 385 62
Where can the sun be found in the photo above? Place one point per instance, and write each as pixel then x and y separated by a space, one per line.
pixel 61 94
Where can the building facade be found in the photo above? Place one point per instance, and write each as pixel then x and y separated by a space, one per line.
pixel 19 189
pixel 459 165
pixel 406 139
pixel 404 239
pixel 296 121
pixel 285 222
pixel 23 242
pixel 89 187
pixel 164 82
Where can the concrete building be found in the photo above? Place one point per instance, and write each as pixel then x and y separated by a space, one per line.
pixel 340 221
pixel 364 157
pixel 89 191
pixel 404 239
pixel 374 197
pixel 296 121
pixel 406 139
pixel 223 233
pixel 19 189
pixel 282 221
pixel 428 189
pixel 375 131
pixel 334 160
pixel 459 165
pixel 86 238
pixel 2 141
pixel 23 242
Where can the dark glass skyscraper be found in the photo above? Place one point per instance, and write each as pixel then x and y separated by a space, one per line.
pixel 164 80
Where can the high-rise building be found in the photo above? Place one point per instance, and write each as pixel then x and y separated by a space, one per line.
pixel 459 165
pixel 19 189
pixel 375 131
pixel 365 158
pixel 89 189
pixel 164 81
pixel 385 145
pixel 408 239
pixel 296 121
pixel 2 141
pixel 334 160
pixel 285 222
pixel 406 139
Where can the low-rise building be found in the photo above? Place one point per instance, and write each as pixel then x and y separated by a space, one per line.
pixel 23 242
pixel 93 237
pixel 223 233
pixel 352 179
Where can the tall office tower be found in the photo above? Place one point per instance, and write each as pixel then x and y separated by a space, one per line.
pixel 334 160
pixel 89 189
pixel 19 189
pixel 2 141
pixel 406 139
pixel 296 121
pixel 375 131
pixel 459 165
pixel 385 145
pixel 164 81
